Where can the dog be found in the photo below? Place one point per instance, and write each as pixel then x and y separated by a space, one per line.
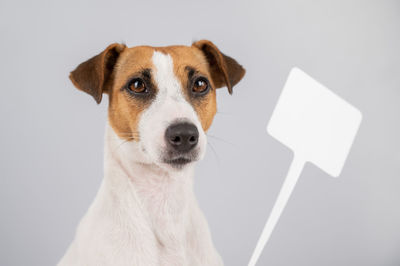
pixel 162 100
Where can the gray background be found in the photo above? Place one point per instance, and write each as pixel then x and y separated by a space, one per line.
pixel 51 135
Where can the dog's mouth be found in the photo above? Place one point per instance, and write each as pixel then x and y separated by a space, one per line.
pixel 180 161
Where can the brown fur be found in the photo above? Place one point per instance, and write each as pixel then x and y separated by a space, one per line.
pixel 124 111
pixel 94 76
pixel 109 71
pixel 224 69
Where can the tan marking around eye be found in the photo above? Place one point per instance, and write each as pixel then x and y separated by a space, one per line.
pixel 125 111
pixel 183 56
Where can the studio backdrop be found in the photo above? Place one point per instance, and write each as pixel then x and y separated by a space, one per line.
pixel 51 137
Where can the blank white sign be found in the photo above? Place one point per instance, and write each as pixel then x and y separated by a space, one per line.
pixel 318 126
pixel 314 122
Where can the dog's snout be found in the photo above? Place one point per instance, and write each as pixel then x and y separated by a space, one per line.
pixel 182 136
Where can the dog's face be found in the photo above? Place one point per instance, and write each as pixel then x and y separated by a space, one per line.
pixel 162 100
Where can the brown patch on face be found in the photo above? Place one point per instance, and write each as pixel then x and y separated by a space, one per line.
pixel 185 60
pixel 125 109
pixel 111 71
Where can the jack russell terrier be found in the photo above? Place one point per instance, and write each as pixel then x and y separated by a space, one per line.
pixel 162 100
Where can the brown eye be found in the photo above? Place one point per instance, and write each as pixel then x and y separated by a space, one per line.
pixel 137 86
pixel 200 85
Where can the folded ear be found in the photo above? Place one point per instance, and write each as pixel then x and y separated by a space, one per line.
pixel 94 75
pixel 225 71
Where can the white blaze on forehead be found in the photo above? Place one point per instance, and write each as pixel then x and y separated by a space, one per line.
pixel 170 102
pixel 168 84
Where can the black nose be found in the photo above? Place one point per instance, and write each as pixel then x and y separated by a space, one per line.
pixel 182 136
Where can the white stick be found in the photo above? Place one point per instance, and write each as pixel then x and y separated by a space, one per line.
pixel 290 182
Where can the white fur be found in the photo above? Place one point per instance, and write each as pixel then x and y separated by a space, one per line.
pixel 145 212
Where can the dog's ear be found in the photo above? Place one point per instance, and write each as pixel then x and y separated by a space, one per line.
pixel 94 76
pixel 225 71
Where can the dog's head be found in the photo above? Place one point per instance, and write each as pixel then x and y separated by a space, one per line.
pixel 162 100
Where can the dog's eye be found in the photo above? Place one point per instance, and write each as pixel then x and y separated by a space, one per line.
pixel 200 85
pixel 137 86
